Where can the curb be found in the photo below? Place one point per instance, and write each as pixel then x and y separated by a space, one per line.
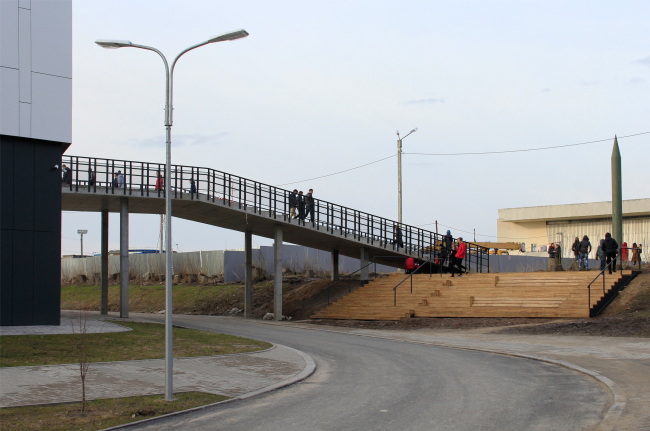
pixel 310 367
pixel 609 418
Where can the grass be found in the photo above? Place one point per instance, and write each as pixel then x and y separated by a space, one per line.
pixel 99 413
pixel 145 341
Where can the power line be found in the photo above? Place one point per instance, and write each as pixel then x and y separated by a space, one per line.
pixel 478 234
pixel 524 150
pixel 339 172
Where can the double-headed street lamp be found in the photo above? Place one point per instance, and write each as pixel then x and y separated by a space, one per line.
pixel 82 232
pixel 169 392
pixel 399 175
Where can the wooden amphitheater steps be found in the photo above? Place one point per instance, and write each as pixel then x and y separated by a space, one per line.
pixel 538 294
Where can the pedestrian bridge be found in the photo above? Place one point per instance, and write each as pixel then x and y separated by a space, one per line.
pixel 228 201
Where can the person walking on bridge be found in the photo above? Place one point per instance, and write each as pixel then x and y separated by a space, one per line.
pixel 309 205
pixel 293 203
pixel 301 205
pixel 67 175
pixel 611 250
pixel 159 181
pixel 585 249
pixel 120 179
pixel 458 257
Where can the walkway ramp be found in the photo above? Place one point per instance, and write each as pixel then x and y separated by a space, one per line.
pixel 539 294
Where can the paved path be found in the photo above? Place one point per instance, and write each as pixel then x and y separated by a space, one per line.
pixel 232 375
pixel 371 383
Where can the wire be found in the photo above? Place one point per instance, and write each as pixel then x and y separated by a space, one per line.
pixel 339 172
pixel 478 234
pixel 521 151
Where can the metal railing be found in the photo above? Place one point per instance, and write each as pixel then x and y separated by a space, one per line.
pixel 133 178
pixel 602 272
pixel 410 276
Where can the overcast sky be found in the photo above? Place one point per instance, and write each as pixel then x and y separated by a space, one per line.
pixel 320 87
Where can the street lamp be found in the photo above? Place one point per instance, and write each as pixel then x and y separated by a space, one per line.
pixel 82 232
pixel 112 44
pixel 399 175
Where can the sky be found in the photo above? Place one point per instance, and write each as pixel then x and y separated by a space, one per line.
pixel 320 87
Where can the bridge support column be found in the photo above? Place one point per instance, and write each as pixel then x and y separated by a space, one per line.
pixel 365 257
pixel 248 274
pixel 277 273
pixel 104 261
pixel 124 258
pixel 335 265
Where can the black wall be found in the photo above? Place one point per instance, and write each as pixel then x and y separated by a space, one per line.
pixel 30 229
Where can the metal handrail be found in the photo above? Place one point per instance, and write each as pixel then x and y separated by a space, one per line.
pixel 230 190
pixel 349 277
pixel 602 272
pixel 409 276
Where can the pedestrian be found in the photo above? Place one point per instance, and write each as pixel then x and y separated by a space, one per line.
pixel 575 248
pixel 624 254
pixel 447 241
pixel 558 255
pixel 601 255
pixel 551 251
pixel 66 175
pixel 159 181
pixel 611 250
pixel 309 204
pixel 301 205
pixel 585 249
pixel 399 241
pixel 636 255
pixel 459 256
pixel 409 265
pixel 120 179
pixel 192 186
pixel 293 203
pixel 116 184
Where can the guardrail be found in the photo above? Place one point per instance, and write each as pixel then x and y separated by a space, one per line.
pixel 133 178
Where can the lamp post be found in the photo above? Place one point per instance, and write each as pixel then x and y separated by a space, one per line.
pixel 112 44
pixel 399 175
pixel 82 232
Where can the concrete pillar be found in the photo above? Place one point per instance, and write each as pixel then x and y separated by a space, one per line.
pixel 124 257
pixel 248 274
pixel 104 259
pixel 365 257
pixel 617 195
pixel 335 265
pixel 277 273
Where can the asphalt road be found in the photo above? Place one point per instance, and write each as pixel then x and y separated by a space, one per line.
pixel 366 383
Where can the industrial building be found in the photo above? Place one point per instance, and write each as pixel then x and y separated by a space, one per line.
pixel 537 227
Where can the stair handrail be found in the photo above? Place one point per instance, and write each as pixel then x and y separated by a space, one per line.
pixel 409 276
pixel 349 277
pixel 602 272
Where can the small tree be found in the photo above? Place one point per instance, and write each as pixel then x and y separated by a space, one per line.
pixel 80 332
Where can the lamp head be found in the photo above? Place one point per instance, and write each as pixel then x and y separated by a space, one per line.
pixel 113 44
pixel 414 130
pixel 233 35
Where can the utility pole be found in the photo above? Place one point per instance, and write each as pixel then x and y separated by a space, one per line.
pixel 161 232
pixel 399 175
pixel 82 232
pixel 617 194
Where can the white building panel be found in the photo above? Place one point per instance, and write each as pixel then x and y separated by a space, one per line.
pixel 51 107
pixel 25 54
pixel 52 37
pixel 9 33
pixel 9 110
pixel 25 120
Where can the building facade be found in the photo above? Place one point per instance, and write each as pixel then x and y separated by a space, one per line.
pixel 35 129
pixel 538 227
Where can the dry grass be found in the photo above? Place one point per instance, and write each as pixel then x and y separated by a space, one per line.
pixel 99 413
pixel 145 341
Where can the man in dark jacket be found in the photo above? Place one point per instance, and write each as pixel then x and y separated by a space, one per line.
pixel 585 249
pixel 447 240
pixel 611 250
pixel 575 248
pixel 309 204
pixel 301 206
pixel 293 203
pixel 67 175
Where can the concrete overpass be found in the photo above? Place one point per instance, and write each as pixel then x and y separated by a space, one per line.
pixel 220 199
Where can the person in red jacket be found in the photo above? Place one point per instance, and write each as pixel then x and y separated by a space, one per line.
pixel 159 181
pixel 409 265
pixel 459 256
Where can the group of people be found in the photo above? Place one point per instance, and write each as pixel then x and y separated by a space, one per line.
pixel 303 203
pixel 607 252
